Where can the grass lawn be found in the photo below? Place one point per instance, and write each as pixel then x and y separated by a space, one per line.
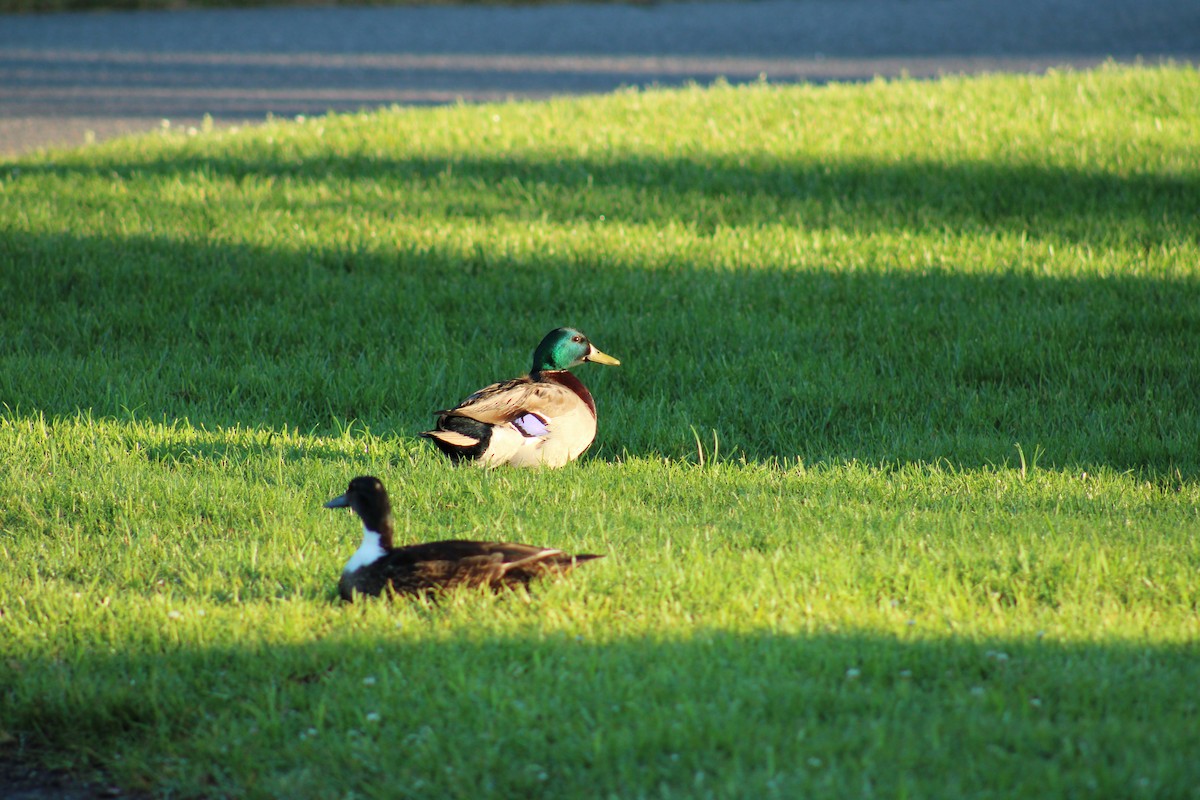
pixel 899 479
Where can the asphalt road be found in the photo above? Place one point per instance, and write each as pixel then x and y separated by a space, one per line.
pixel 68 78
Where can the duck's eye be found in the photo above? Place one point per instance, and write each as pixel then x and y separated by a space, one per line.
pixel 577 339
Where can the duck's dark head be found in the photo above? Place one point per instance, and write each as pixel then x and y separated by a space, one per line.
pixel 369 500
pixel 563 348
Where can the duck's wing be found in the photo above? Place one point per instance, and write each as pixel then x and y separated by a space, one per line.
pixel 457 562
pixel 529 403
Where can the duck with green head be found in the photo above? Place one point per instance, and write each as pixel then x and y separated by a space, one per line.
pixel 545 418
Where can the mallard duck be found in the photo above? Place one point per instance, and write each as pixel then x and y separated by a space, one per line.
pixel 379 567
pixel 545 418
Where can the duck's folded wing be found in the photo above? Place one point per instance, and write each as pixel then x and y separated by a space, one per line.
pixel 524 401
pixel 446 564
pixel 456 562
pixel 480 570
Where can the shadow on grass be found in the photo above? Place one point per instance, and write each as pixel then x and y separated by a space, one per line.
pixel 880 366
pixel 733 715
pixel 860 195
pixel 876 365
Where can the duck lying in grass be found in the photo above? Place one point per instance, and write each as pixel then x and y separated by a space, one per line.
pixel 378 567
pixel 545 418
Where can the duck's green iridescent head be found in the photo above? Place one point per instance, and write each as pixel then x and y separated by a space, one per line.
pixel 563 348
